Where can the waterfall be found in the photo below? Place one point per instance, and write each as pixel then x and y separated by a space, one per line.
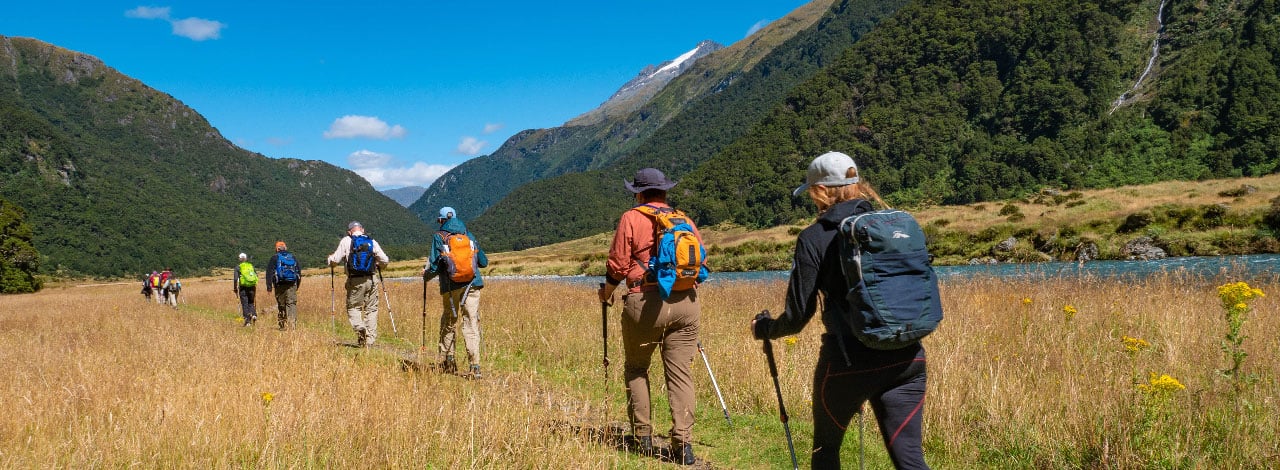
pixel 1151 63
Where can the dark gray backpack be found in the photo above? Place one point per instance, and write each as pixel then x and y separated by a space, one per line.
pixel 892 286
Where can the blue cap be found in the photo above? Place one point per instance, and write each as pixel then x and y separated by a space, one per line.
pixel 447 212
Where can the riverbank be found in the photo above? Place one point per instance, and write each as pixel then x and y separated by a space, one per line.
pixel 1237 216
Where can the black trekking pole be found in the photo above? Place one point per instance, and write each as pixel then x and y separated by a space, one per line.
pixel 383 285
pixel 714 384
pixel 782 409
pixel 422 349
pixel 604 333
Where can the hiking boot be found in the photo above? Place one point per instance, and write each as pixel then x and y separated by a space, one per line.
pixel 644 445
pixel 683 455
pixel 475 371
pixel 448 366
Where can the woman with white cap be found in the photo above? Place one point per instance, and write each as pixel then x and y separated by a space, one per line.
pixel 848 372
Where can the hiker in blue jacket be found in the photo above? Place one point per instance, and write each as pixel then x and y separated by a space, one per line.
pixel 456 257
pixel 848 373
pixel 285 281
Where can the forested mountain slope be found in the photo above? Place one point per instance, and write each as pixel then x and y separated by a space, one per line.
pixel 582 204
pixel 955 103
pixel 600 137
pixel 118 178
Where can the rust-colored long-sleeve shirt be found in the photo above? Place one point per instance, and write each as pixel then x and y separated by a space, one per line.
pixel 631 248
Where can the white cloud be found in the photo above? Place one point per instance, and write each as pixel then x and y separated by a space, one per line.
pixel 362 159
pixel 351 126
pixel 491 127
pixel 198 29
pixel 380 170
pixel 471 146
pixel 148 13
pixel 758 26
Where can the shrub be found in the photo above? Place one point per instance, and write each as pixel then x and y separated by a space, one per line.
pixel 1135 221
pixel 1010 209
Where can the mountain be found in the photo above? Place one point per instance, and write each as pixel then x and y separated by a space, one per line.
pixel 534 154
pixel 406 195
pixel 118 178
pixel 956 103
pixel 754 77
pixel 600 137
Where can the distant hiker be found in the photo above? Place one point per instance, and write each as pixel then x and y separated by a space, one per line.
pixel 284 276
pixel 361 257
pixel 456 258
pixel 848 372
pixel 172 287
pixel 649 320
pixel 164 275
pixel 146 287
pixel 244 282
pixel 153 282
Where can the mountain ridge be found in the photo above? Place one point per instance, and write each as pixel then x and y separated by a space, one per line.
pixel 118 178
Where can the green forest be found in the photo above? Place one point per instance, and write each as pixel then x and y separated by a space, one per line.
pixel 119 179
pixel 19 261
pixel 947 103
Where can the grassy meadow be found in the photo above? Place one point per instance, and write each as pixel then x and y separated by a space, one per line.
pixel 1027 373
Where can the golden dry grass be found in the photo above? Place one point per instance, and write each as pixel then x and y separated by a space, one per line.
pixel 100 379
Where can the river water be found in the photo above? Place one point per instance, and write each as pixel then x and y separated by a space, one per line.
pixel 1249 268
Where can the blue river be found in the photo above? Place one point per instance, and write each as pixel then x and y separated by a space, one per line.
pixel 1249 268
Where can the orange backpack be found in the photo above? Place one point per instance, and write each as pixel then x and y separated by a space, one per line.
pixel 679 259
pixel 459 255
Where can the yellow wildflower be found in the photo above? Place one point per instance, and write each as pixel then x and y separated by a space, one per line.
pixel 1069 312
pixel 1134 345
pixel 1161 385
pixel 1026 301
pixel 267 397
pixel 791 341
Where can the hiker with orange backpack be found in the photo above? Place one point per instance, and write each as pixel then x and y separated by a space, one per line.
pixel 456 258
pixel 660 307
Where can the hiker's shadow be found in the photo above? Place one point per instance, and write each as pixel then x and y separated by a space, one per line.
pixel 613 436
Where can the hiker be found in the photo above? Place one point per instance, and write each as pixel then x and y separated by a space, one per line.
pixel 284 276
pixel 153 282
pixel 361 258
pixel 648 320
pixel 146 288
pixel 848 373
pixel 456 257
pixel 172 286
pixel 244 281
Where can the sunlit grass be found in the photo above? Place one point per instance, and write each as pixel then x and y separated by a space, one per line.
pixel 99 378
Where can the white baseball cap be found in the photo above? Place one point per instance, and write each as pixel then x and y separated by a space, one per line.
pixel 243 257
pixel 829 170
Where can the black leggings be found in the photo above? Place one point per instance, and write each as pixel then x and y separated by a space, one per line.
pixel 894 382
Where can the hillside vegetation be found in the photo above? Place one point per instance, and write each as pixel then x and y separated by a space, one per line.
pixel 1208 218
pixel 592 199
pixel 587 145
pixel 948 103
pixel 117 178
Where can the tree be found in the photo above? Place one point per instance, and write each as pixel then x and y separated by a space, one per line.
pixel 18 259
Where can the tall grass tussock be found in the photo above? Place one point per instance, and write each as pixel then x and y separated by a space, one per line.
pixel 1023 373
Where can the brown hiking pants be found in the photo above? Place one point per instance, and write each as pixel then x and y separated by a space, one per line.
pixel 647 322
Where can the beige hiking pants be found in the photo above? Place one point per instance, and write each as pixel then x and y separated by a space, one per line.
pixel 647 322
pixel 362 307
pixel 466 309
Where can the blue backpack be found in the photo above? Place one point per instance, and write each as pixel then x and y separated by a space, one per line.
pixel 892 286
pixel 360 261
pixel 679 259
pixel 286 267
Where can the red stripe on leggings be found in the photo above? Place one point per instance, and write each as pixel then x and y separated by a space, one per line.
pixel 905 421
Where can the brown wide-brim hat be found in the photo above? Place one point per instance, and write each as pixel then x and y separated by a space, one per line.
pixel 648 178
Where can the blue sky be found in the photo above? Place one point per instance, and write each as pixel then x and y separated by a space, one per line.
pixel 397 91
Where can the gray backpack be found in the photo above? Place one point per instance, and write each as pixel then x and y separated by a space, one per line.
pixel 892 286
